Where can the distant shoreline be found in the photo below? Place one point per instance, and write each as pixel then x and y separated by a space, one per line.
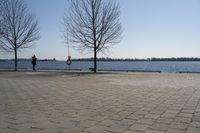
pixel 99 71
pixel 112 59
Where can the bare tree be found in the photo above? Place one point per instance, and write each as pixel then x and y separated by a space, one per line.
pixel 19 28
pixel 93 25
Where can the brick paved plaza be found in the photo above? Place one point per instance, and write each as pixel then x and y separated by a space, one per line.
pixel 55 102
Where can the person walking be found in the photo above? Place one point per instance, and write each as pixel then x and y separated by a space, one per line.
pixel 34 61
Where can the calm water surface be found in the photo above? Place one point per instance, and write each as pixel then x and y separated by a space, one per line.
pixel 163 66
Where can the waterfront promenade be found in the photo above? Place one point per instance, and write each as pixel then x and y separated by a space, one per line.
pixel 58 102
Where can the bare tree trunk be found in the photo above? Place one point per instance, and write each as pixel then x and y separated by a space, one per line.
pixel 95 60
pixel 15 57
pixel 94 39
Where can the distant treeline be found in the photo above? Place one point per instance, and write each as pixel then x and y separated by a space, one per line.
pixel 175 59
pixel 112 59
pixel 148 59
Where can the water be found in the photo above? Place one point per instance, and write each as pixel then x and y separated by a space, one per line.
pixel 163 66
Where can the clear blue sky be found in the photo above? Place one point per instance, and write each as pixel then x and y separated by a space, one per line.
pixel 152 28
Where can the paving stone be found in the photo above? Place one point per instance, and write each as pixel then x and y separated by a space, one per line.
pixel 139 127
pixel 195 124
pixel 108 122
pixel 117 128
pixel 152 116
pixel 126 122
pixel 135 117
pixel 117 117
pixel 162 107
pixel 108 113
pixel 159 127
pixel 182 119
pixel 104 132
pixel 146 121
pixel 147 109
pixel 169 115
pixel 97 118
pixel 185 115
pixel 7 131
pixel 197 114
pixel 124 113
pixel 87 123
pixel 172 111
pixel 129 131
pixel 193 130
pixel 158 112
pixel 141 112
pixel 153 131
pixel 187 111
pixel 171 130
pixel 96 129
pixel 164 120
pixel 196 118
pixel 176 125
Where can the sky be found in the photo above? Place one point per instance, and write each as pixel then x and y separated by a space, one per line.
pixel 151 28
